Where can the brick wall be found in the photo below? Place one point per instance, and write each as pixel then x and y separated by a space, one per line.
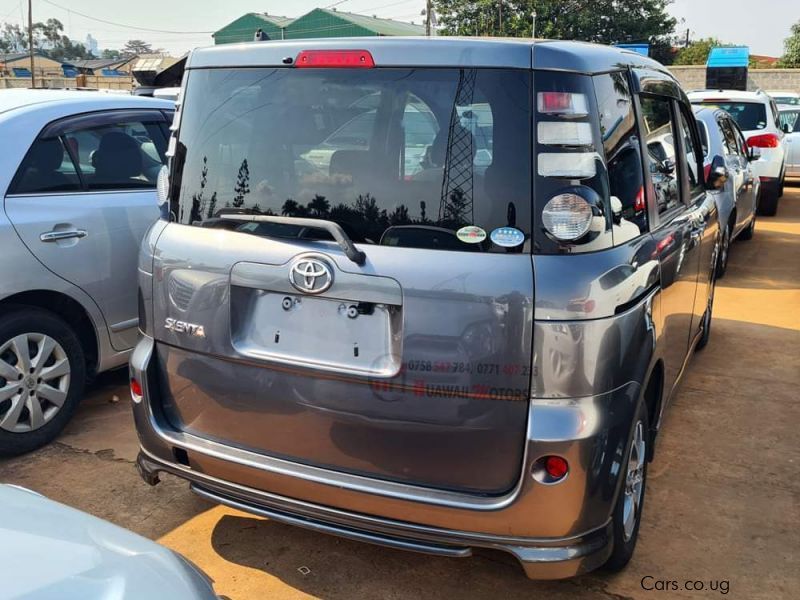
pixel 694 78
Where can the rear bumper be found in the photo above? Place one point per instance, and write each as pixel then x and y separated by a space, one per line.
pixel 555 531
pixel 540 559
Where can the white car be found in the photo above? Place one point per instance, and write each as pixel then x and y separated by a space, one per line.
pixel 757 116
pixel 790 116
pixel 787 98
pixel 85 557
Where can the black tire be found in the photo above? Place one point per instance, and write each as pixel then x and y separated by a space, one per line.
pixel 747 233
pixel 724 252
pixel 625 542
pixel 707 319
pixel 768 204
pixel 38 325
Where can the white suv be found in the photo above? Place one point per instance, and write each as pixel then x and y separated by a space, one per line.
pixel 757 116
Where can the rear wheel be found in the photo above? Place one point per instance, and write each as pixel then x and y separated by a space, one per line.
pixel 706 335
pixel 627 514
pixel 42 376
pixel 725 245
pixel 747 233
pixel 768 203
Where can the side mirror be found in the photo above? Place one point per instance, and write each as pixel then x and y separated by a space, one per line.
pixel 666 166
pixel 718 174
pixel 753 153
pixel 785 128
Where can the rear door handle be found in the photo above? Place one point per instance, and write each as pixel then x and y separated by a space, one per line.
pixel 54 236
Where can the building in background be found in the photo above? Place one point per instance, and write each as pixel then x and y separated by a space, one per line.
pixel 244 28
pixel 318 23
pixel 104 67
pixel 19 65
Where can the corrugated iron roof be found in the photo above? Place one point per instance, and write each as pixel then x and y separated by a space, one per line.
pixel 379 25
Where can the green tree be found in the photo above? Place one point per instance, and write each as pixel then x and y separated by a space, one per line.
pixel 242 187
pixel 791 49
pixel 696 53
pixel 13 38
pixel 110 54
pixel 601 21
pixel 136 47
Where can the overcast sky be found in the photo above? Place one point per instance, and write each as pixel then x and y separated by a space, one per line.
pixel 761 24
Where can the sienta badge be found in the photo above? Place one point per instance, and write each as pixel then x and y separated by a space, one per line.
pixel 507 237
pixel 471 234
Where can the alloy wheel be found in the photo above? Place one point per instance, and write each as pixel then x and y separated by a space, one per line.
pixel 634 482
pixel 34 381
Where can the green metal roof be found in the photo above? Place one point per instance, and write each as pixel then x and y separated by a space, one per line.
pixel 243 29
pixel 378 25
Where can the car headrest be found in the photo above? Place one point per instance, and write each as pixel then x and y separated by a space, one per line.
pixel 46 155
pixel 117 157
pixel 349 162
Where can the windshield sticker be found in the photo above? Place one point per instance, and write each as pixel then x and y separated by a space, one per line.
pixel 507 237
pixel 471 234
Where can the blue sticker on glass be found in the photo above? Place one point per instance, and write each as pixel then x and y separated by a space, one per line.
pixel 508 237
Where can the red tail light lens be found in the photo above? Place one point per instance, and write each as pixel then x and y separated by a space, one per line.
pixel 136 390
pixel 707 171
pixel 556 467
pixel 638 203
pixel 334 59
pixel 765 140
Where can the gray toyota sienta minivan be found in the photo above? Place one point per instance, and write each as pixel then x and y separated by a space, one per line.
pixel 432 294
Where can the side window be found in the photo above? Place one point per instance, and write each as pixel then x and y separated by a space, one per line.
pixel 728 138
pixel 692 156
pixel 46 168
pixel 126 155
pixel 623 156
pixel 660 140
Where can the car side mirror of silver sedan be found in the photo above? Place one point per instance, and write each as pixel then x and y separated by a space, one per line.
pixel 718 174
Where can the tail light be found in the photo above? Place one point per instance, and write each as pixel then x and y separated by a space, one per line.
pixel 567 217
pixel 638 202
pixel 550 469
pixel 765 140
pixel 562 103
pixel 564 133
pixel 136 390
pixel 334 59
pixel 706 171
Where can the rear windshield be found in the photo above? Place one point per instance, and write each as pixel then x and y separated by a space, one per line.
pixel 790 118
pixel 397 157
pixel 748 115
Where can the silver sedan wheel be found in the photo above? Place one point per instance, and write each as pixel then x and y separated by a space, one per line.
pixel 634 480
pixel 34 381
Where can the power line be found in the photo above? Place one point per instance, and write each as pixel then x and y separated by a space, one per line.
pixel 85 16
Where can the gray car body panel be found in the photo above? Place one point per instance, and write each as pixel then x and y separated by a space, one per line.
pixel 87 558
pixel 588 367
pixel 95 271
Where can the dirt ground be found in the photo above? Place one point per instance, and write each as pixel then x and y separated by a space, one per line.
pixel 723 504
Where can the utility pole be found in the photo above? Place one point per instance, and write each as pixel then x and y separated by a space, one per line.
pixel 687 38
pixel 500 16
pixel 30 41
pixel 533 25
pixel 428 9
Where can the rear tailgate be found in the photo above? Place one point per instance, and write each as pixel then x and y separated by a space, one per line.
pixel 412 367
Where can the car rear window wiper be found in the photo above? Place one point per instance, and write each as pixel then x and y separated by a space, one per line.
pixel 336 231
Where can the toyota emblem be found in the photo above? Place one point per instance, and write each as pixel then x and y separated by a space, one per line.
pixel 310 275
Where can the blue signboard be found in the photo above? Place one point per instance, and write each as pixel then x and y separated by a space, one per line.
pixel 643 49
pixel 734 56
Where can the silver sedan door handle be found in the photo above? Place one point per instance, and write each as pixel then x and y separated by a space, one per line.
pixel 54 236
